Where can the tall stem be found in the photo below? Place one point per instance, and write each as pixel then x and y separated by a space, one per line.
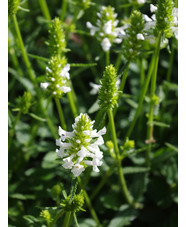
pixel 67 219
pixel 142 96
pixel 72 104
pixel 60 113
pixel 124 77
pixel 89 204
pixel 44 9
pixel 32 75
pixel 25 57
pixel 120 173
pixel 151 109
pixel 63 10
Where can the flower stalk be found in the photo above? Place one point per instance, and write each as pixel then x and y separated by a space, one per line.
pixel 150 138
pixel 44 9
pixel 60 112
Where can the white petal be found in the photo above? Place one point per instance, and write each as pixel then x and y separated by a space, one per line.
pixel 77 170
pixel 140 36
pixel 44 85
pixel 153 8
pixel 106 44
pixel 65 89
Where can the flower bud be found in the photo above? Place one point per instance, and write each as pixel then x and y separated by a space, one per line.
pixel 24 102
pixel 13 6
pixel 56 43
pixel 164 17
pixel 46 215
pixel 134 36
pixel 108 92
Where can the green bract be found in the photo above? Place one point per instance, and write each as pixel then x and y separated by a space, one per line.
pixel 108 92
pixel 164 17
pixel 56 43
pixel 132 43
pixel 13 6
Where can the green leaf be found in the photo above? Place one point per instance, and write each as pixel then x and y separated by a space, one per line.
pixel 123 217
pixel 134 169
pixel 131 103
pixel 161 124
pixel 172 147
pixel 36 117
pixel 94 107
pixel 31 219
pixel 49 160
pixel 82 64
pixel 21 196
pixel 87 222
pixel 24 81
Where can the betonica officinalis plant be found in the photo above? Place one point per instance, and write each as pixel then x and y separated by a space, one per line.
pixel 92 113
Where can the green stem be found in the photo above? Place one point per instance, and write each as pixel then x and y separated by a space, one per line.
pixel 142 96
pixel 12 131
pixel 89 204
pixel 72 104
pixel 118 61
pixel 58 215
pixel 15 61
pixel 170 63
pixel 25 57
pixel 107 53
pixel 60 113
pixel 44 9
pixel 151 109
pixel 63 10
pixel 102 182
pixel 67 219
pixel 124 77
pixel 116 149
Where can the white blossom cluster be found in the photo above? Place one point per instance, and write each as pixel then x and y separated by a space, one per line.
pixel 57 79
pixel 80 148
pixel 106 30
pixel 150 22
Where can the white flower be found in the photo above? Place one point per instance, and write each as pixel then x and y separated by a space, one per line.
pixel 106 44
pixel 141 1
pixel 93 29
pixel 64 71
pixel 77 170
pixel 95 88
pixel 44 85
pixel 81 146
pixel 140 36
pixel 107 28
pixel 153 8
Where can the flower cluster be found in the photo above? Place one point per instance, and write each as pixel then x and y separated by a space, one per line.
pixel 80 148
pixel 108 92
pixel 106 30
pixel 24 102
pixel 164 19
pixel 58 77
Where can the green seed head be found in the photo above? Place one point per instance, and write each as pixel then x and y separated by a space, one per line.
pixel 129 144
pixel 13 6
pixel 76 204
pixel 24 102
pixel 134 40
pixel 57 43
pixel 164 17
pixel 108 92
